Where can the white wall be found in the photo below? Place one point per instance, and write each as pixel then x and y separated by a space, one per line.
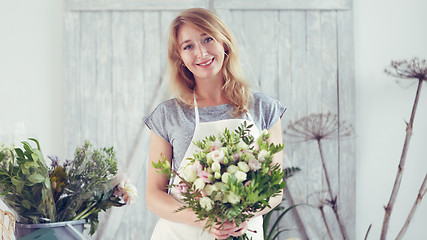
pixel 31 72
pixel 32 82
pixel 388 30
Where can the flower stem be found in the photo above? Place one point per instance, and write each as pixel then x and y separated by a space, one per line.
pixel 333 199
pixel 81 214
pixel 398 180
pixel 326 223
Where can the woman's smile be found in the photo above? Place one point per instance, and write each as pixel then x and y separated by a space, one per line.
pixel 207 63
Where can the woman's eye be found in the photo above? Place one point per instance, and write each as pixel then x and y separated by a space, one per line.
pixel 188 47
pixel 208 39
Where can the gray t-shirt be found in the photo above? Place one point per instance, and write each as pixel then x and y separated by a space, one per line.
pixel 174 121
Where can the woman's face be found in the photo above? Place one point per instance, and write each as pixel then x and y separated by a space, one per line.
pixel 200 53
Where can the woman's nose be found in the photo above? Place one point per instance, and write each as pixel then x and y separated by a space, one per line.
pixel 201 51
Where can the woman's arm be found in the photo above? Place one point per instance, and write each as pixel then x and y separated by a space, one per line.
pixel 164 205
pixel 158 200
pixel 276 138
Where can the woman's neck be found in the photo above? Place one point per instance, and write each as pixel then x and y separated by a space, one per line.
pixel 209 93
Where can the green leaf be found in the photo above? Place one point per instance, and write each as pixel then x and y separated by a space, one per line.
pixel 36 178
pixel 28 165
pixel 37 142
pixel 26 204
pixel 19 184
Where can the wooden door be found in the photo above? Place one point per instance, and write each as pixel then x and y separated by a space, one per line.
pixel 298 51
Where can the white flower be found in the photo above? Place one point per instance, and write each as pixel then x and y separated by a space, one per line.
pixel 254 165
pixel 264 132
pixel 189 174
pixel 233 198
pixel 243 166
pixel 218 155
pixel 126 190
pixel 206 203
pixel 225 176
pixel 262 155
pixel 216 166
pixel 217 175
pixel 241 176
pixel 199 184
pixel 209 189
pixel 232 169
pixel 219 185
pixel 216 144
pixel 241 146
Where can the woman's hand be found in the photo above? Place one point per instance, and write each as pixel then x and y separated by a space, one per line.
pixel 228 229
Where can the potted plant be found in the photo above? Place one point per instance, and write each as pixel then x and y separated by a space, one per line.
pixel 63 195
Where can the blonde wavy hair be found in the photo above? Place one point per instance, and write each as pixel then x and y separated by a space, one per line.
pixel 235 88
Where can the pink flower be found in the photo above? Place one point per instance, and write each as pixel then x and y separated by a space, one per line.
pixel 197 166
pixel 236 157
pixel 180 188
pixel 125 190
pixel 205 176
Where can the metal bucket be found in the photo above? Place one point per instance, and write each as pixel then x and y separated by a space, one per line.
pixel 70 230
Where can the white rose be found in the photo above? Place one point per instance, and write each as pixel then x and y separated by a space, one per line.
pixel 217 175
pixel 206 203
pixel 216 166
pixel 254 165
pixel 216 144
pixel 219 185
pixel 189 174
pixel 209 189
pixel 241 176
pixel 232 169
pixel 241 146
pixel 243 166
pixel 218 156
pixel 199 184
pixel 262 155
pixel 225 176
pixel 233 198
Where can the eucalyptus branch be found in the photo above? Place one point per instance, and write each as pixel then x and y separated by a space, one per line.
pixel 404 69
pixel 421 193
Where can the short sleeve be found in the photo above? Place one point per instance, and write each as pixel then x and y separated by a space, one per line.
pixel 269 110
pixel 156 122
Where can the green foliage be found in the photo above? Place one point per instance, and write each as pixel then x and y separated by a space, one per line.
pixel 25 184
pixel 64 193
pixel 230 178
pixel 273 232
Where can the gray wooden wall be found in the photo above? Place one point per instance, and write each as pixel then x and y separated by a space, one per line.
pixel 298 51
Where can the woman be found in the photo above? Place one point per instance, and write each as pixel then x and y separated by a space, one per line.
pixel 211 94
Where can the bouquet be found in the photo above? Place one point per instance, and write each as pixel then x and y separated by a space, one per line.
pixel 230 178
pixel 75 190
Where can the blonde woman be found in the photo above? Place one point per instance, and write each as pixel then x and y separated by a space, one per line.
pixel 211 94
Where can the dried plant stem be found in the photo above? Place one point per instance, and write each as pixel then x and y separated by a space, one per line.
pixel 398 180
pixel 325 221
pixel 333 200
pixel 367 232
pixel 420 196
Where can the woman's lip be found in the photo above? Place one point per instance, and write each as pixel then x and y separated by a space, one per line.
pixel 204 64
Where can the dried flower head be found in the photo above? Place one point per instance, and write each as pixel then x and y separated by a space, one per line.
pixel 319 126
pixel 414 68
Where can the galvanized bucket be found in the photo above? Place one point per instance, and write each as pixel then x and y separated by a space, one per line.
pixel 69 230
